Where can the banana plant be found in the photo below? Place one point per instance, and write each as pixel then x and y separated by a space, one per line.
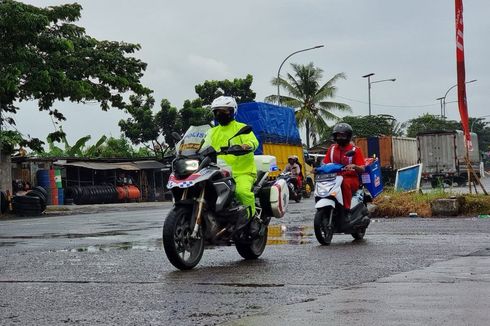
pixel 93 150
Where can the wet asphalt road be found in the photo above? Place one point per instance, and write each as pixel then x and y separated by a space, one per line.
pixel 109 268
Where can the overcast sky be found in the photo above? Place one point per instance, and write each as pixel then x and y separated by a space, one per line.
pixel 185 43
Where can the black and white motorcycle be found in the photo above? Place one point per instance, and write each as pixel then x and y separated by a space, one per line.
pixel 331 217
pixel 205 209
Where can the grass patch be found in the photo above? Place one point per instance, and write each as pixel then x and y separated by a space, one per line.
pixel 475 205
pixel 399 204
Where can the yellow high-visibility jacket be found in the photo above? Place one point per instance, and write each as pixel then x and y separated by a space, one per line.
pixel 218 137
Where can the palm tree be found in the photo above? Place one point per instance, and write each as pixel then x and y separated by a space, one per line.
pixel 309 99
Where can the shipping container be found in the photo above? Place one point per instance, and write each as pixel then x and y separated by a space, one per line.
pixel 392 152
pixel 443 156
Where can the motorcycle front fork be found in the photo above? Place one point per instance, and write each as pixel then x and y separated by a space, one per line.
pixel 198 216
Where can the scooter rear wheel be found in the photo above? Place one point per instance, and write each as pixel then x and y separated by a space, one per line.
pixel 323 231
pixel 182 251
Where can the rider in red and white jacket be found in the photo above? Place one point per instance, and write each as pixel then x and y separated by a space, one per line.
pixel 354 165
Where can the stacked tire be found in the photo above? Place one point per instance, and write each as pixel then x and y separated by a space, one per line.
pixel 32 204
pixel 102 194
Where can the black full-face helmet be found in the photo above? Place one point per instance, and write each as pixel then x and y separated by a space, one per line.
pixel 342 133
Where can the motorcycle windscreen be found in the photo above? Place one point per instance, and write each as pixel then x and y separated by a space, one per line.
pixel 192 141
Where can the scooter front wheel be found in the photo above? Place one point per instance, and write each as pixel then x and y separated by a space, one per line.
pixel 323 231
pixel 182 251
pixel 359 235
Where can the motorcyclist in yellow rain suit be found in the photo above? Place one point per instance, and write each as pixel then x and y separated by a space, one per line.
pixel 242 167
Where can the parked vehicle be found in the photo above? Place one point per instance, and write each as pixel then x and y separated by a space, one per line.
pixel 331 217
pixel 206 211
pixel 392 152
pixel 442 155
pixel 294 192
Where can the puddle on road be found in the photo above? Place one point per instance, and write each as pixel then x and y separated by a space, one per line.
pixel 67 235
pixel 136 245
pixel 283 234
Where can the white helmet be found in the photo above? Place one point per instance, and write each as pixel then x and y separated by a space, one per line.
pixel 224 102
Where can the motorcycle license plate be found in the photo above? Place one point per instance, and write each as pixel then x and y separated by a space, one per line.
pixel 325 177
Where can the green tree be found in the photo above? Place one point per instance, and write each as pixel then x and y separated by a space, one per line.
pixel 482 129
pixel 371 125
pixel 13 141
pixel 116 147
pixel 44 56
pixel 142 127
pixel 193 114
pixel 167 120
pixel 429 122
pixel 238 88
pixel 309 98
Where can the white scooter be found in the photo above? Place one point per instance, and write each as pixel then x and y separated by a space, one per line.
pixel 331 217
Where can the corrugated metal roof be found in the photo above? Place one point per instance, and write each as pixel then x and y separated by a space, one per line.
pixel 129 166
pixel 150 165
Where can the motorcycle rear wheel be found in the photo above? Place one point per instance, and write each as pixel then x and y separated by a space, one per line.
pixel 323 232
pixel 181 250
pixel 254 249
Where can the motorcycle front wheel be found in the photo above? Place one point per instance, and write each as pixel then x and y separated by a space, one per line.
pixel 254 249
pixel 182 251
pixel 323 231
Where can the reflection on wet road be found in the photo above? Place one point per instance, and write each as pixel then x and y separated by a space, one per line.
pixel 290 234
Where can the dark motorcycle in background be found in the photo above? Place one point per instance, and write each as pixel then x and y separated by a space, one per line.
pixel 206 210
pixel 294 192
pixel 331 217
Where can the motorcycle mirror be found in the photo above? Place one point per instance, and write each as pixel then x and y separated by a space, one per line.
pixel 350 153
pixel 176 136
pixel 245 130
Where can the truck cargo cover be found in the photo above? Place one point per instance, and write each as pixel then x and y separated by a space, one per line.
pixel 270 123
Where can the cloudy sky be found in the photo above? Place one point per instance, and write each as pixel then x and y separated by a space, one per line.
pixel 187 42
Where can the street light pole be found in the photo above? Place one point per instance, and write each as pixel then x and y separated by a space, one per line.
pixel 279 70
pixel 440 100
pixel 450 88
pixel 368 76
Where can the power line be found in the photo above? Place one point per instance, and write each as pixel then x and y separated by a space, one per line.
pixel 393 106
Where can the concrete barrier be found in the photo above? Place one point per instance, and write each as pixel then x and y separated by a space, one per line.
pixel 446 207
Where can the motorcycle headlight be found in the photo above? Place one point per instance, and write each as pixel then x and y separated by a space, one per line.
pixel 183 167
pixel 191 165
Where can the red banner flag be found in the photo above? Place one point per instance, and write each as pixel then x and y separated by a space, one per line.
pixel 462 104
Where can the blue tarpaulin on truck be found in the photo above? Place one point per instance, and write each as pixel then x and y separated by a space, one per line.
pixel 270 123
